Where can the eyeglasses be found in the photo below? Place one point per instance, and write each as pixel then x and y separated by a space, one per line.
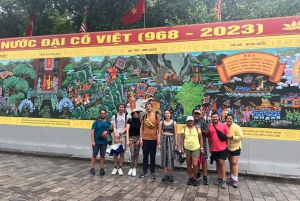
pixel 102 113
pixel 196 113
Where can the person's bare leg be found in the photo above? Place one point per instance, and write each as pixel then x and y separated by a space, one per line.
pixel 204 167
pixel 121 159
pixel 189 165
pixel 195 167
pixel 93 161
pixel 234 165
pixel 102 160
pixel 222 169
pixel 115 160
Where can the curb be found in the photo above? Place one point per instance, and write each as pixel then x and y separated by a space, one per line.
pixel 294 178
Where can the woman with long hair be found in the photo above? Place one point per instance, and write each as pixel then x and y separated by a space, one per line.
pixel 192 146
pixel 132 135
pixel 234 147
pixel 167 143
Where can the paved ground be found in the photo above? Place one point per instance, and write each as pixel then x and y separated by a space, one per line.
pixel 43 178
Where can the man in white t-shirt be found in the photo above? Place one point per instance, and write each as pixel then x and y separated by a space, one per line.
pixel 119 125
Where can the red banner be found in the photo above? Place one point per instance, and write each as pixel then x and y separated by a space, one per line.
pixel 196 32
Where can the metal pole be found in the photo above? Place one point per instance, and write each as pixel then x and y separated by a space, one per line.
pixel 145 14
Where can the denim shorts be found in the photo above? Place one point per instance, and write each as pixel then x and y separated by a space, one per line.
pixel 101 148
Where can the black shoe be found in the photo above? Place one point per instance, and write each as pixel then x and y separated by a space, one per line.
pixel 205 182
pixel 92 171
pixel 171 178
pixel 195 182
pixel 165 178
pixel 190 182
pixel 153 175
pixel 144 174
pixel 102 171
pixel 198 176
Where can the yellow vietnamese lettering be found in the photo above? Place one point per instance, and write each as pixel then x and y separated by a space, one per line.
pixel 113 38
pixel 232 30
pixel 75 40
pixel 160 35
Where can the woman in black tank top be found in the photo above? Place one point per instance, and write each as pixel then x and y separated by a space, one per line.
pixel 167 142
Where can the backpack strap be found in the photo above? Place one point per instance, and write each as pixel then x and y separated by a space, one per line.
pixel 116 121
pixel 97 121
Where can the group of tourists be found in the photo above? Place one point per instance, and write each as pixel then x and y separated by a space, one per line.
pixel 148 132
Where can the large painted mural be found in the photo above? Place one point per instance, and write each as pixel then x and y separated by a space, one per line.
pixel 260 87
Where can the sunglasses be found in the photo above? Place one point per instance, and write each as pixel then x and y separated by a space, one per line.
pixel 196 113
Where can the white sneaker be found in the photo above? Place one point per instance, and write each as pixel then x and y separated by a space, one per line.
pixel 120 172
pixel 114 171
pixel 130 172
pixel 133 172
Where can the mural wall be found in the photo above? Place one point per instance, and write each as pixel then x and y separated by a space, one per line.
pixel 260 87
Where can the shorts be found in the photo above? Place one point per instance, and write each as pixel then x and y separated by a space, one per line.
pixel 101 148
pixel 215 155
pixel 194 154
pixel 235 153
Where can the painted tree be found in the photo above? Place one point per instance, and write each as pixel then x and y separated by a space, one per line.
pixel 78 112
pixel 3 104
pixel 54 101
pixel 45 110
pixel 26 106
pixel 189 96
pixel 65 106
pixel 18 84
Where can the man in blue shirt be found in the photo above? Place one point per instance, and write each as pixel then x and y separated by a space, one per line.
pixel 98 136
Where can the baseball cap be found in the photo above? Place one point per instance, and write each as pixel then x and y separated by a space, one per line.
pixel 197 111
pixel 190 118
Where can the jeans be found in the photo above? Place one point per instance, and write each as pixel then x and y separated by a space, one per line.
pixel 149 146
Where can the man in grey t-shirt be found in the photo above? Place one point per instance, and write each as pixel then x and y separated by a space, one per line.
pixel 119 125
pixel 204 128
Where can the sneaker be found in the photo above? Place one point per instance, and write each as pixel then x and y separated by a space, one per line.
pixel 133 172
pixel 120 172
pixel 235 184
pixel 190 182
pixel 143 174
pixel 102 171
pixel 153 176
pixel 205 182
pixel 218 181
pixel 229 181
pixel 114 172
pixel 130 172
pixel 198 176
pixel 195 182
pixel 165 178
pixel 223 185
pixel 92 171
pixel 171 178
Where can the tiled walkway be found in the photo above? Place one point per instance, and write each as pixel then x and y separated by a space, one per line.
pixel 44 178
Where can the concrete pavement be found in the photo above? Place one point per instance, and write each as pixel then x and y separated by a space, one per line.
pixel 27 177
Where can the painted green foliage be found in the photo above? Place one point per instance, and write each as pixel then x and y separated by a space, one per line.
pixel 18 85
pixel 189 96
